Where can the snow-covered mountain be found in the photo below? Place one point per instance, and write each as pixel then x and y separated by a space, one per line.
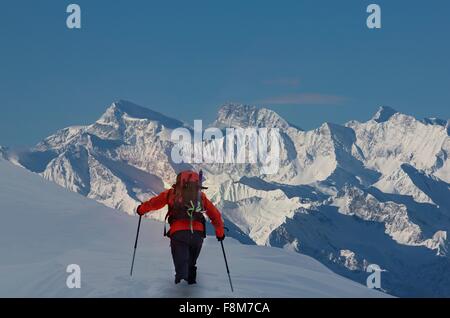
pixel 40 236
pixel 349 195
pixel 243 116
pixel 3 152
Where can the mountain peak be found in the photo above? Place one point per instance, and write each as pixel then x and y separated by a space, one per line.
pixel 130 108
pixel 118 109
pixel 240 115
pixel 384 113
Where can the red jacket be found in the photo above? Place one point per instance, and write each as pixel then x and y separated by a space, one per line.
pixel 166 197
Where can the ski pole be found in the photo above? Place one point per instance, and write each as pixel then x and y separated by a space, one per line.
pixel 226 264
pixel 135 244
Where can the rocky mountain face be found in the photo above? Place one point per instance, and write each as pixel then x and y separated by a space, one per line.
pixel 351 195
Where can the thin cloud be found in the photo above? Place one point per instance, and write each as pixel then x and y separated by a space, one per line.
pixel 304 99
pixel 285 81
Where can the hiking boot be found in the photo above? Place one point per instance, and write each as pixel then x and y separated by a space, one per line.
pixel 192 276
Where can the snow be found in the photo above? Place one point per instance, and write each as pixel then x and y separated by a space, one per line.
pixel 401 139
pixel 399 182
pixel 255 212
pixel 353 201
pixel 396 165
pixel 244 116
pixel 44 228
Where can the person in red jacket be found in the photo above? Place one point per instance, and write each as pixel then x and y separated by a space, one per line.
pixel 186 205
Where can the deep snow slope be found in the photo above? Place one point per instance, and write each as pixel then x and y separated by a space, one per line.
pixel 44 228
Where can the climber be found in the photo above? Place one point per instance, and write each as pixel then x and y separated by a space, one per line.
pixel 186 205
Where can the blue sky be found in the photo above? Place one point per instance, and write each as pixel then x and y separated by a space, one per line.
pixel 311 61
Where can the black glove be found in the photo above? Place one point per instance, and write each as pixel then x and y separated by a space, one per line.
pixel 139 210
pixel 220 239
